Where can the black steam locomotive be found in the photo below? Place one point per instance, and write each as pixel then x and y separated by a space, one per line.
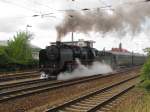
pixel 61 57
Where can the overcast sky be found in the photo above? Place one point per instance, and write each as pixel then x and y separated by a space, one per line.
pixel 15 15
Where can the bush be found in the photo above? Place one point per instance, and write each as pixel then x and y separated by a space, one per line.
pixel 145 75
pixel 146 85
pixel 18 54
pixel 145 72
pixel 19 49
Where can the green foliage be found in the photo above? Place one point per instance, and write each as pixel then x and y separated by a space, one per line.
pixel 4 59
pixel 145 72
pixel 19 49
pixel 2 50
pixel 146 85
pixel 18 54
pixel 147 50
pixel 145 75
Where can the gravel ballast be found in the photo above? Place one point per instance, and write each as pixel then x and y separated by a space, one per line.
pixel 44 100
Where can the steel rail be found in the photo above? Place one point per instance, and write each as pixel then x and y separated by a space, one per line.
pixel 5 96
pixel 91 107
pixel 19 73
pixel 23 83
pixel 19 76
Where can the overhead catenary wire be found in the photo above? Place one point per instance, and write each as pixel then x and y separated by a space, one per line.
pixel 52 14
pixel 46 6
pixel 19 5
pixel 132 3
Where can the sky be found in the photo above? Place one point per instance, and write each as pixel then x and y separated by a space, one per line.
pixel 16 15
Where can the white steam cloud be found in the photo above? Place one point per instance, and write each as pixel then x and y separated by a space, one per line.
pixel 83 71
pixel 121 20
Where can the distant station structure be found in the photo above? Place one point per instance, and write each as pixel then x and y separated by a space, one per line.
pixel 120 49
pixel 3 43
pixel 80 42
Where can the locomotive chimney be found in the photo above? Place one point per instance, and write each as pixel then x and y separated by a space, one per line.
pixel 72 39
pixel 120 46
pixel 58 43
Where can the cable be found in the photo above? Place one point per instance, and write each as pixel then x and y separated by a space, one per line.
pixel 63 11
pixel 133 3
pixel 18 5
pixel 44 5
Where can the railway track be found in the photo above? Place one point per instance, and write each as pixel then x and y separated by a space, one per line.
pixel 17 76
pixel 33 81
pixel 96 100
pixel 38 86
pixel 22 83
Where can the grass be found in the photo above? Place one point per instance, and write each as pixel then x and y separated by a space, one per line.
pixel 141 105
pixel 138 101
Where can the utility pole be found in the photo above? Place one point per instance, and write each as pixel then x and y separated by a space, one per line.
pixel 27 27
pixel 72 39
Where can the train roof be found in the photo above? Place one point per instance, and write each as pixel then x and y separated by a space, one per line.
pixel 119 53
pixel 80 43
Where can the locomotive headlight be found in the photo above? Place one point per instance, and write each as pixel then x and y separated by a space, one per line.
pixel 42 66
pixel 54 65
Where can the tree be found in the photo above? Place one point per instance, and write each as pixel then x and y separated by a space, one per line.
pixel 4 59
pixel 147 51
pixel 19 49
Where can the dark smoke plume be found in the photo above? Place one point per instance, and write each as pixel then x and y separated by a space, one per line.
pixel 121 20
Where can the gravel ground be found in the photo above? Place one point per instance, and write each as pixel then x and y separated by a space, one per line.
pixel 44 100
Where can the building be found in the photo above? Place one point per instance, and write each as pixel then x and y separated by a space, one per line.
pixel 119 49
pixel 3 43
pixel 80 43
pixel 35 52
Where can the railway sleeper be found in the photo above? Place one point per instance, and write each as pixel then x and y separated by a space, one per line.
pixel 80 107
pixel 105 109
pixel 68 109
pixel 87 102
pixel 83 104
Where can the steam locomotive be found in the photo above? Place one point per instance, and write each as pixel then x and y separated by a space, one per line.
pixel 61 57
